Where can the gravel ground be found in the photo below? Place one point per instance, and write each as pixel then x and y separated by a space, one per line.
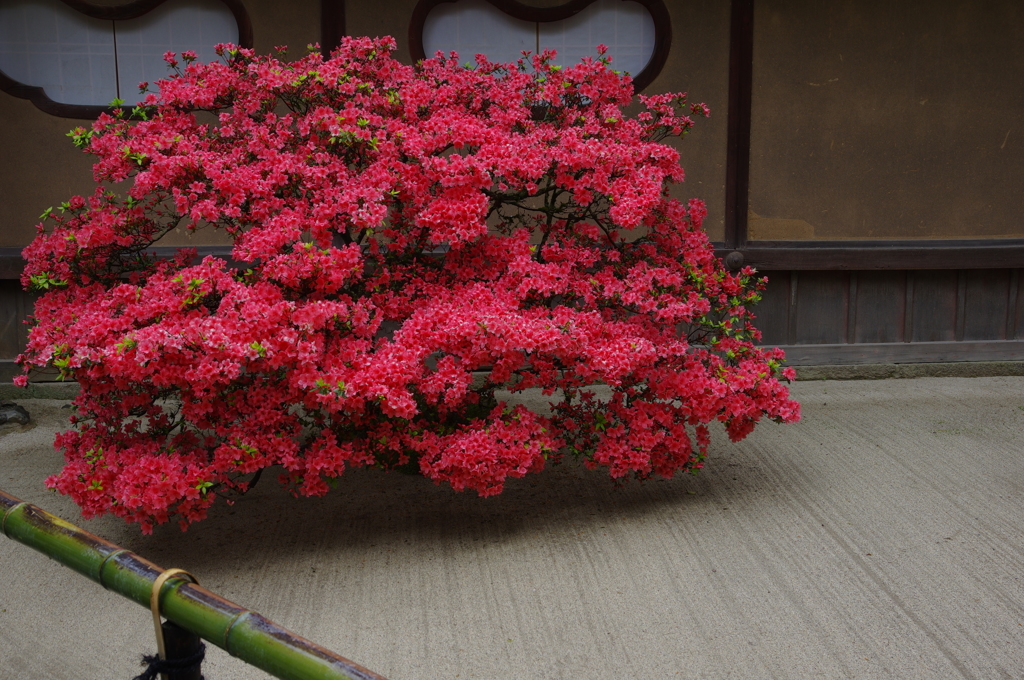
pixel 881 537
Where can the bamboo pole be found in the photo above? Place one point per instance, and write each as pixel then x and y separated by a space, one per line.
pixel 242 633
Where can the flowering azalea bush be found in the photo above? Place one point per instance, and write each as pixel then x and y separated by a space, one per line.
pixel 406 241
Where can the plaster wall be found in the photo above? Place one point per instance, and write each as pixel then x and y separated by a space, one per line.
pixel 883 120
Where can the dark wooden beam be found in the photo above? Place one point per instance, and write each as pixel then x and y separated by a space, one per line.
pixel 737 163
pixel 903 353
pixel 11 263
pixel 332 25
pixel 869 255
pixel 811 255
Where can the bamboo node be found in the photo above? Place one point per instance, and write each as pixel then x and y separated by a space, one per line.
pixel 3 524
pixel 103 565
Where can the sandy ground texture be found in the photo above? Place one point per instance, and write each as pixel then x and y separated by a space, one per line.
pixel 881 537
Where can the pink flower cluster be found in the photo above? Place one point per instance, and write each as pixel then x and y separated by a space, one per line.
pixel 399 229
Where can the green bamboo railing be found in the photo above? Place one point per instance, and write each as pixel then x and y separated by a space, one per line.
pixel 239 631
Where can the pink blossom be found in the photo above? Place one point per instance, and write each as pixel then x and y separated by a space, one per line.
pixel 397 232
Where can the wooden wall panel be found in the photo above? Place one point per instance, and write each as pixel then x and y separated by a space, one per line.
pixel 773 310
pixel 14 306
pixel 821 308
pixel 1015 324
pixel 880 305
pixel 933 314
pixel 894 316
pixel 986 300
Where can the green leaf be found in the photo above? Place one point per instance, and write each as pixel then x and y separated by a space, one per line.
pixel 45 281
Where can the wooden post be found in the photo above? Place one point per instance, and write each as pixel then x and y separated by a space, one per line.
pixel 181 644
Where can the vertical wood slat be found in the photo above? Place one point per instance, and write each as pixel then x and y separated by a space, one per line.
pixel 772 313
pixel 1011 305
pixel 794 280
pixel 960 314
pixel 25 305
pixel 908 307
pixel 851 309
pixel 13 333
pixel 1019 312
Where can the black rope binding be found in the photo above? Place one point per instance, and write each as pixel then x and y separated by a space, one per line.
pixel 155 665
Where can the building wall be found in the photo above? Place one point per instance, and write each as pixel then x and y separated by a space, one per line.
pixel 865 154
pixel 887 120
